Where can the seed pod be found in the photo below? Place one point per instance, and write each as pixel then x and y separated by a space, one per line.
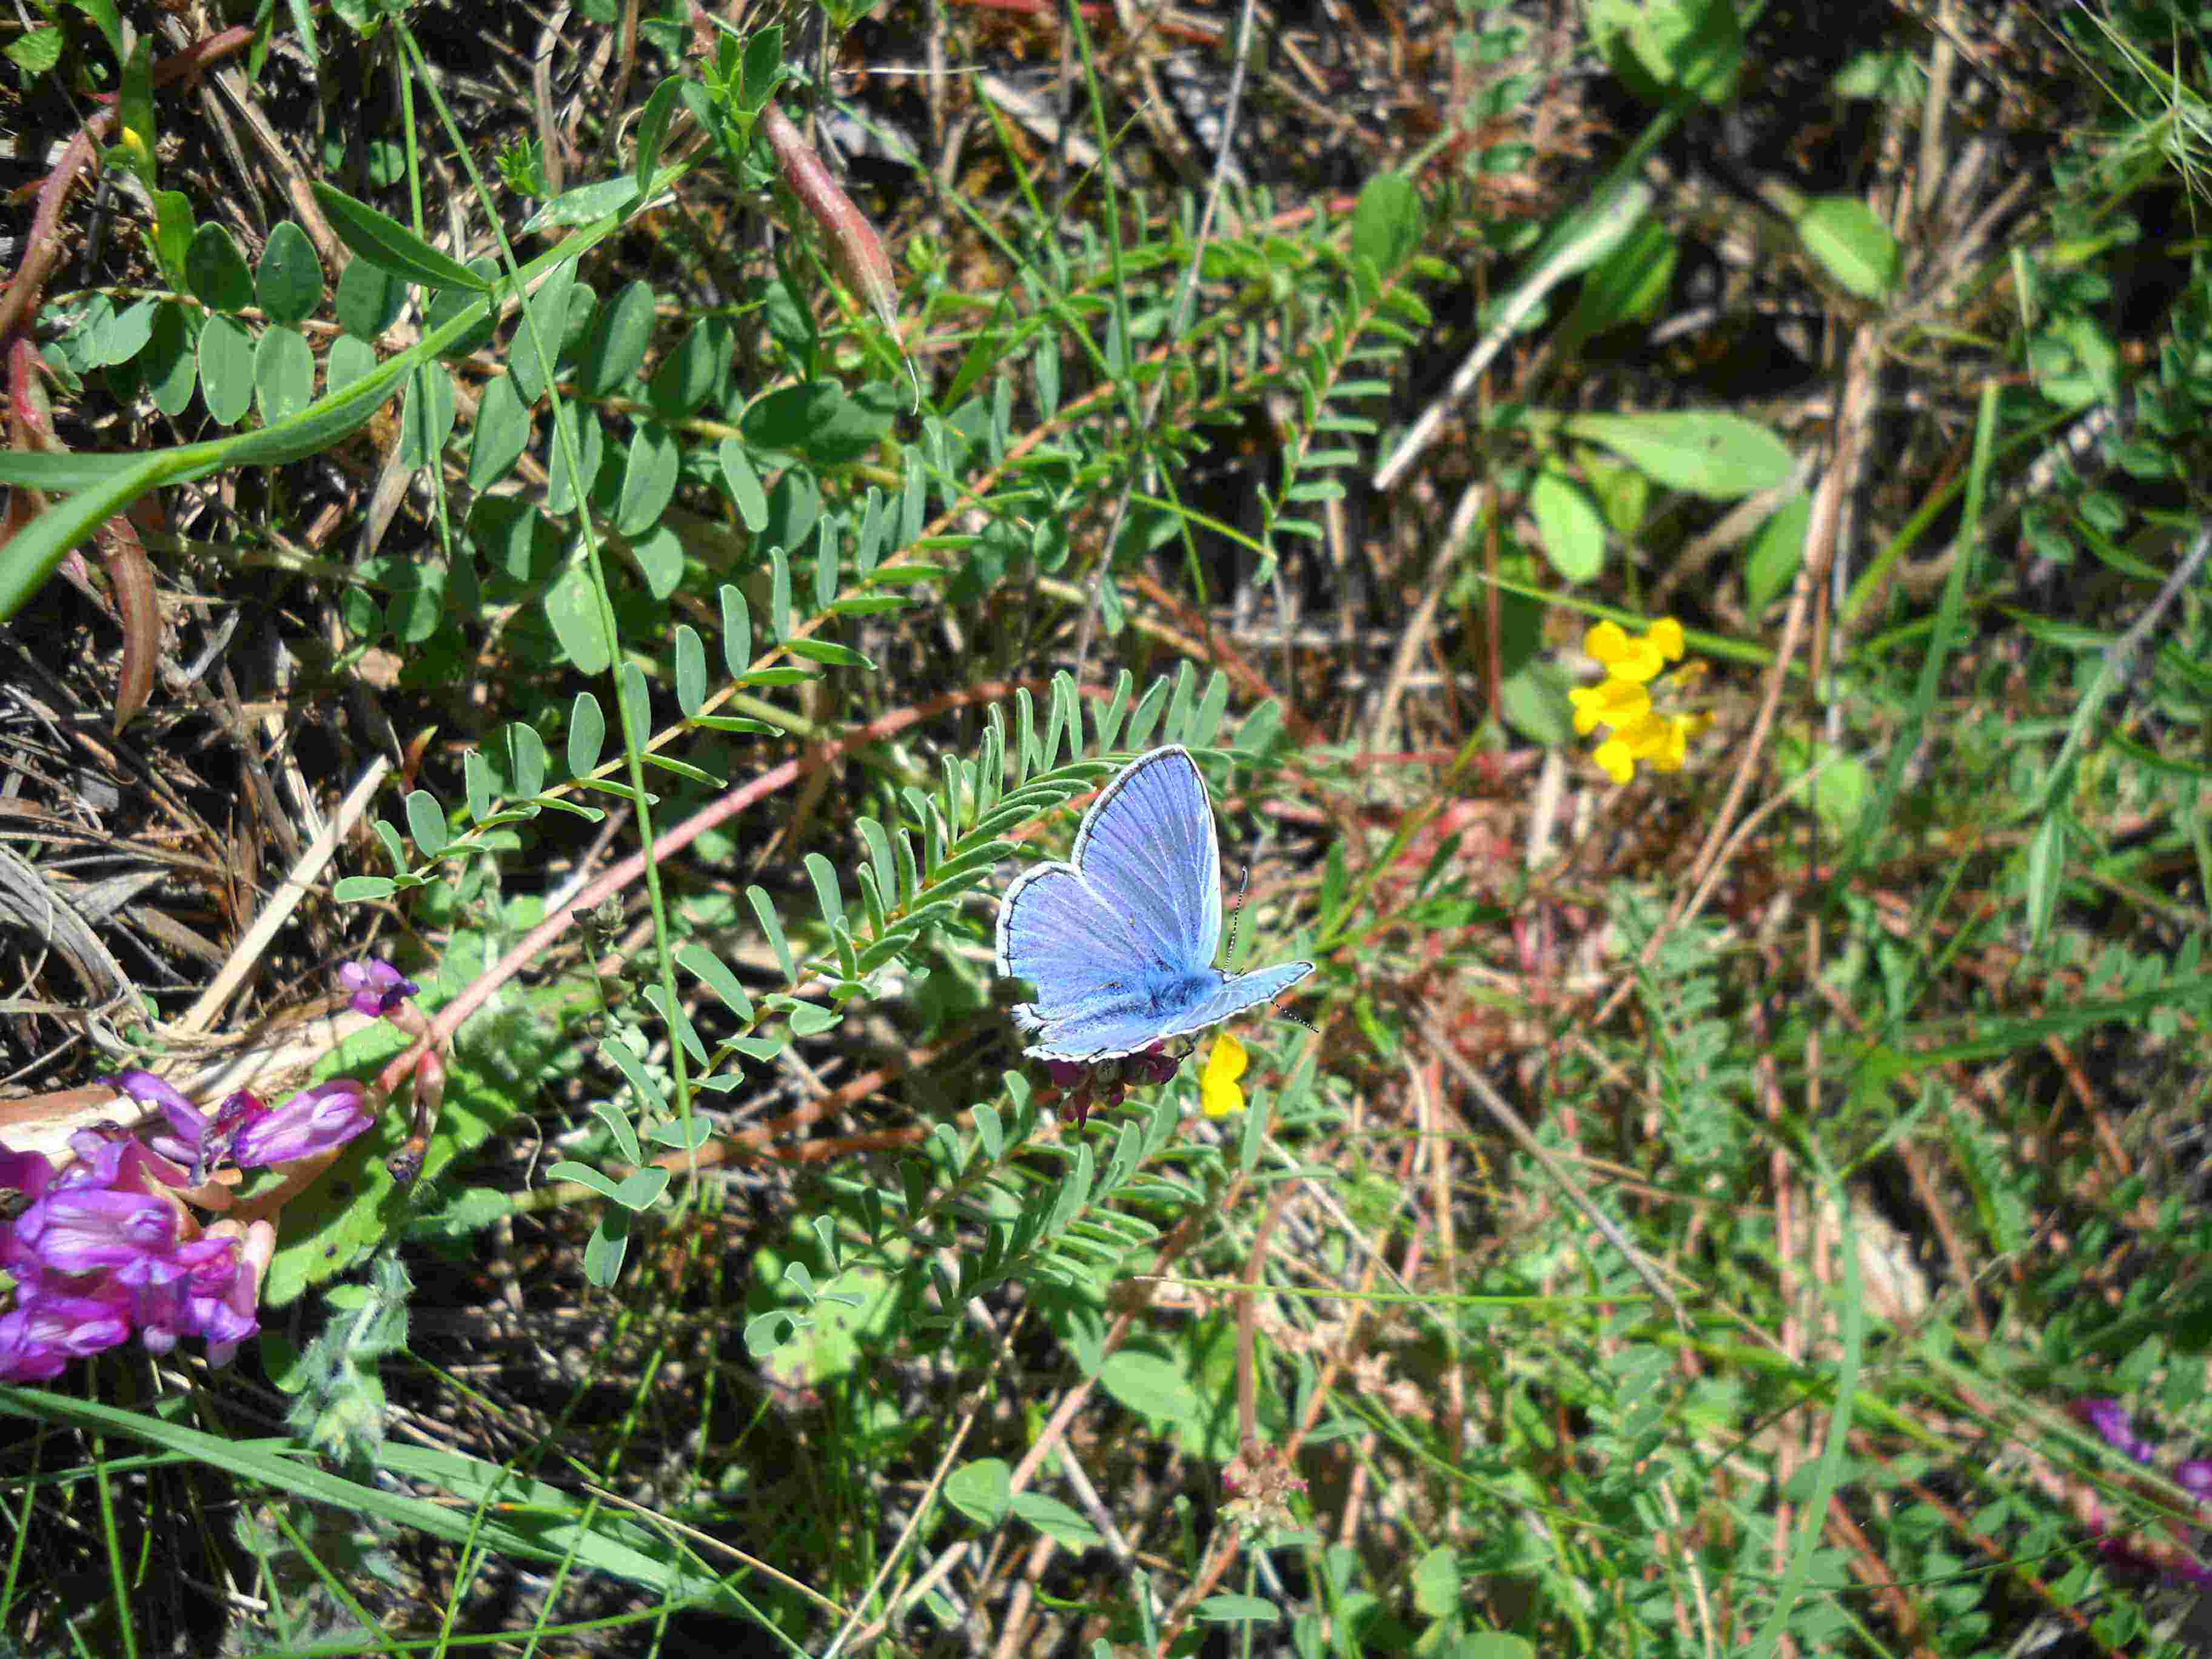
pixel 854 247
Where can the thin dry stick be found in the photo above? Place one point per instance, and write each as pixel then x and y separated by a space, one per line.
pixel 1506 1118
pixel 1415 639
pixel 1819 547
pixel 293 888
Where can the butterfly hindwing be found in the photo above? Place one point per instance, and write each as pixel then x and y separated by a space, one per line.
pixel 1236 992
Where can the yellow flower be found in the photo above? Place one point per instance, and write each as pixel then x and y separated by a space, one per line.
pixel 1613 702
pixel 1623 700
pixel 1219 1091
pixel 1636 661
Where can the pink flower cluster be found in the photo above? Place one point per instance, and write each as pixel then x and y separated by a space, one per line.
pixel 108 1245
pixel 1102 1083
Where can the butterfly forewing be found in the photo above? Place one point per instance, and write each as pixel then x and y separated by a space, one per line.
pixel 1147 847
pixel 1057 931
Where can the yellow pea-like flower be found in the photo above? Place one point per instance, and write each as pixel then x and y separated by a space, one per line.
pixel 1218 1092
pixel 1622 701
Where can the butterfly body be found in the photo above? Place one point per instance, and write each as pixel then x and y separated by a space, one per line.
pixel 1120 940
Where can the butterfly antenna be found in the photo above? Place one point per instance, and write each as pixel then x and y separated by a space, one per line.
pixel 1237 915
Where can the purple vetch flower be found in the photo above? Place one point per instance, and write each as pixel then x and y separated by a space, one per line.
pixel 2194 1477
pixel 378 988
pixel 197 1141
pixel 41 1335
pixel 319 1119
pixel 2110 1419
pixel 108 1245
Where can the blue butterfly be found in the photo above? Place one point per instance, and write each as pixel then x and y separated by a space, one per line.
pixel 1120 940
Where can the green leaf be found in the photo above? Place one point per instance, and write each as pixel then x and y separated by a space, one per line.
pixel 617 344
pixel 1720 456
pixel 448 303
pixel 745 490
pixel 136 139
pixel 425 417
pixel 737 631
pixel 130 332
pixel 818 423
pixel 1626 285
pixel 503 433
pixel 426 823
pixel 173 234
pixel 648 480
pixel 106 19
pixel 369 300
pixel 982 1491
pixel 1154 1388
pixel 350 359
pixel 543 322
pixel 391 246
pixel 712 972
pixel 1657 47
pixel 1389 222
pixel 226 370
pixel 172 359
pixel 830 652
pixel 653 129
pixel 572 608
pixel 1436 1582
pixel 1850 244
pixel 772 926
pixel 1569 525
pixel 1063 1525
pixel 37 51
pixel 2046 875
pixel 763 69
pixel 659 551
pixel 284 374
pixel 590 439
pixel 1233 1609
pixel 584 205
pixel 587 734
pixel 690 374
pixel 605 1250
pixel 217 272
pixel 289 281
pixel 303 28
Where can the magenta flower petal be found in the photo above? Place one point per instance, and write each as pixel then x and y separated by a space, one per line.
pixel 149 1090
pixel 42 1334
pixel 82 1229
pixel 313 1121
pixel 26 1172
